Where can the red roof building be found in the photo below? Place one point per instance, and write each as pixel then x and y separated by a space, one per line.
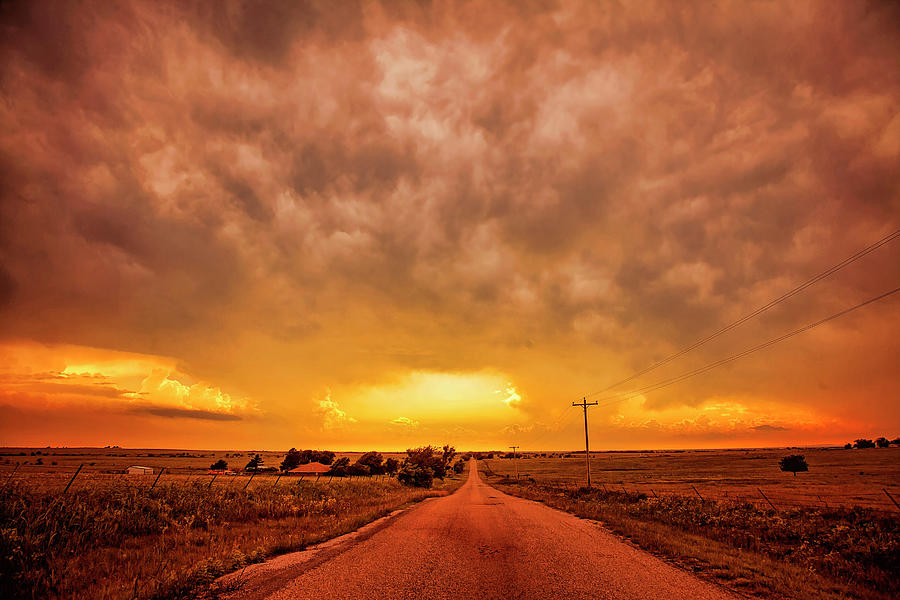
pixel 310 468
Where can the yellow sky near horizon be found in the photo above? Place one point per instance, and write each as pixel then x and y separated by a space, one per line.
pixel 377 226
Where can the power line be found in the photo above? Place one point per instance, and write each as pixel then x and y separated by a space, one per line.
pixel 561 423
pixel 734 357
pixel 828 272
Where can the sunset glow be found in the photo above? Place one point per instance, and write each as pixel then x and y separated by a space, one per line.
pixel 331 226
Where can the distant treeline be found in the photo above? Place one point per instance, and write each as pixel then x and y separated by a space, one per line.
pixel 881 442
pixel 418 468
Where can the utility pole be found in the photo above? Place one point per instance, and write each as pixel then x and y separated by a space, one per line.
pixel 587 449
pixel 515 460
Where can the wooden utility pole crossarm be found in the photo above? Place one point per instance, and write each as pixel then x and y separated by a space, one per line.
pixel 587 448
pixel 516 462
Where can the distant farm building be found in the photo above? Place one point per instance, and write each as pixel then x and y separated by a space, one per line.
pixel 135 470
pixel 313 468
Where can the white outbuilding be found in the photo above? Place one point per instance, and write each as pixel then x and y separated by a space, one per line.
pixel 135 470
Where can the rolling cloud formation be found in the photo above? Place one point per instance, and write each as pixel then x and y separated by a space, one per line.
pixel 292 197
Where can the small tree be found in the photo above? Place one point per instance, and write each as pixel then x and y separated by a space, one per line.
pixel 882 442
pixel 254 464
pixel 793 463
pixel 326 457
pixel 358 470
pixel 291 460
pixel 373 461
pixel 847 446
pixel 896 441
pixel 391 465
pixel 219 465
pixel 863 443
pixel 416 476
pixel 340 467
pixel 423 464
pixel 447 454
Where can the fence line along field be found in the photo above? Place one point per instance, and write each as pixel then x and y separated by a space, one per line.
pixel 75 524
pixel 836 477
pixel 53 468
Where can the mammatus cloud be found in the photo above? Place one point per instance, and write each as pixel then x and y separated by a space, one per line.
pixel 394 201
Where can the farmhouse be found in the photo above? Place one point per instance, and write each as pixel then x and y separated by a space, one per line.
pixel 135 470
pixel 314 468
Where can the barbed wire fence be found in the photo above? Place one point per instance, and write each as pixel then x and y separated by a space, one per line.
pixel 762 493
pixel 67 478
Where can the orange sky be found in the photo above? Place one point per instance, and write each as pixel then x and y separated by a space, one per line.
pixel 319 224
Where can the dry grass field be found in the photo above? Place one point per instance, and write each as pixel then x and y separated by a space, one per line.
pixel 53 467
pixel 828 534
pixel 836 477
pixel 118 536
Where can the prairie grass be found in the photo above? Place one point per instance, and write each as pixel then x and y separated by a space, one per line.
pixel 836 477
pixel 793 553
pixel 122 540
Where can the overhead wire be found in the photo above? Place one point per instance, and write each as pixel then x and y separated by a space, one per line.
pixel 561 423
pixel 789 294
pixel 708 367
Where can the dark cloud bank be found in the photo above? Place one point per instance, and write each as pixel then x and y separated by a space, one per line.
pixel 473 183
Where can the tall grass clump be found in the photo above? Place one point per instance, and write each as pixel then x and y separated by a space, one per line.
pixel 857 546
pixel 40 530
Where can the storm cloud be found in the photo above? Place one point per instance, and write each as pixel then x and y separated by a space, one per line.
pixel 300 196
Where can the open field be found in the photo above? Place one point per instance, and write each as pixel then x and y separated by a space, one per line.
pixel 53 463
pixel 101 466
pixel 114 536
pixel 836 477
pixel 792 553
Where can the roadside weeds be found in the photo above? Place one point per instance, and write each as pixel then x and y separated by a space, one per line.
pixel 805 555
pixel 173 542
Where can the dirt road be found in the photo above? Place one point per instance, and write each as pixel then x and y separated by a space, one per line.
pixel 476 543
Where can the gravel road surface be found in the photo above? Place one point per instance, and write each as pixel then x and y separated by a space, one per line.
pixel 476 543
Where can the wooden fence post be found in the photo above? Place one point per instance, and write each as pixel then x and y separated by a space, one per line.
pixel 211 481
pixel 276 480
pixel 822 501
pixel 158 475
pixel 8 479
pixel 252 475
pixel 68 485
pixel 698 493
pixel 891 497
pixel 654 493
pixel 767 499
